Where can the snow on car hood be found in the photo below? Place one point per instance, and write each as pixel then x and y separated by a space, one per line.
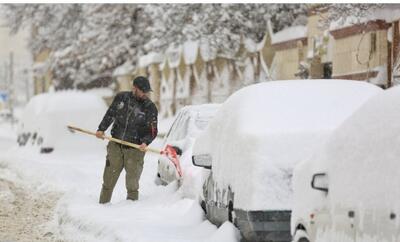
pixel 263 130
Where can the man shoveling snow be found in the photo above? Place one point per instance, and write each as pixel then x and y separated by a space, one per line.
pixel 134 118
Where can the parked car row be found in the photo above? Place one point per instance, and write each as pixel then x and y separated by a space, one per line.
pixel 260 134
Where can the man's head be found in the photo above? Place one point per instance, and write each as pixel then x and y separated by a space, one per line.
pixel 141 86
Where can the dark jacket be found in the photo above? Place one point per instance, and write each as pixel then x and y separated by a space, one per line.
pixel 134 120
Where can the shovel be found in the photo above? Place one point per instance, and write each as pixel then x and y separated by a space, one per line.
pixel 169 150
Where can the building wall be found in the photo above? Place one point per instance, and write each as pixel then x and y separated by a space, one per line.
pixel 346 50
pixel 43 79
pixel 286 64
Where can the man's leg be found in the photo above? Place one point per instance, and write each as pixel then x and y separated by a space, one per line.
pixel 114 164
pixel 133 168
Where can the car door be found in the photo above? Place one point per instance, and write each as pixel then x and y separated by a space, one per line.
pixel 177 132
pixel 379 225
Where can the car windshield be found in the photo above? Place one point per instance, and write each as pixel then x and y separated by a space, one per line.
pixel 179 128
pixel 186 123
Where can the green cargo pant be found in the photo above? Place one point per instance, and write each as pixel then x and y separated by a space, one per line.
pixel 118 157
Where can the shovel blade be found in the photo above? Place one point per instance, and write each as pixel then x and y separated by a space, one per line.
pixel 172 155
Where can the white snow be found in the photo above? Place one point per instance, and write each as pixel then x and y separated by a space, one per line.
pixel 372 152
pixel 190 122
pixel 174 56
pixel 361 160
pixel 150 58
pixel 290 33
pixel 124 69
pixel 251 46
pixel 161 214
pixel 263 130
pixel 207 51
pixel 381 77
pixel 190 51
pixel 102 92
pixel 47 116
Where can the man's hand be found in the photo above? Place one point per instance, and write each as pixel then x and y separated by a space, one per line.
pixel 143 147
pixel 100 134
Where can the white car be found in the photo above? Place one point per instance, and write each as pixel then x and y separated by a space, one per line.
pixel 43 125
pixel 349 190
pixel 189 122
pixel 254 142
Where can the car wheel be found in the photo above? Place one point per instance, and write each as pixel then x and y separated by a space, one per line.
pixel 157 180
pixel 300 236
pixel 203 206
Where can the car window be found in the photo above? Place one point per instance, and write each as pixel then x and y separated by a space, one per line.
pixel 201 123
pixel 179 128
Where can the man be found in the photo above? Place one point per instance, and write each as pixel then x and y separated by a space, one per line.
pixel 134 118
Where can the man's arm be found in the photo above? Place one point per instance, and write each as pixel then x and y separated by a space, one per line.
pixel 151 124
pixel 109 116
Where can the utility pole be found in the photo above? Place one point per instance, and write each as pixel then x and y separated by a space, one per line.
pixel 10 87
pixel 26 77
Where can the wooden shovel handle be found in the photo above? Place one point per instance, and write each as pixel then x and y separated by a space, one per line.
pixel 136 146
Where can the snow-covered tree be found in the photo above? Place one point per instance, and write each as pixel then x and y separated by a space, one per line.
pixel 88 41
pixel 342 12
pixel 221 25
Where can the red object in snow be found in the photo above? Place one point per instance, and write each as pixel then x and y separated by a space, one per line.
pixel 171 154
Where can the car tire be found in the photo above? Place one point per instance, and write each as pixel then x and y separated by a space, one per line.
pixel 300 236
pixel 203 206
pixel 158 181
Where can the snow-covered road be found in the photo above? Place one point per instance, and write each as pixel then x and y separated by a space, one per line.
pixel 24 214
pixel 54 197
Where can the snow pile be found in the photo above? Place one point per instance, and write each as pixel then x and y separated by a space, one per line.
pixel 162 213
pixel 207 51
pixel 381 77
pixel 45 119
pixel 252 46
pixel 265 129
pixel 150 58
pixel 190 51
pixel 365 147
pixel 102 92
pixel 125 69
pixel 291 33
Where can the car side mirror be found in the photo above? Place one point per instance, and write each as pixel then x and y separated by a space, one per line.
pixel 203 160
pixel 320 182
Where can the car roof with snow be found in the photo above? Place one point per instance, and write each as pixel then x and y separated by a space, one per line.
pixel 362 156
pixel 263 130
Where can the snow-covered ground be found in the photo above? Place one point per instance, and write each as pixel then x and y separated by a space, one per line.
pixel 65 185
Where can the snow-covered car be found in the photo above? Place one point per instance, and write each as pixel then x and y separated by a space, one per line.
pixel 349 191
pixel 254 142
pixel 43 124
pixel 5 115
pixel 189 122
